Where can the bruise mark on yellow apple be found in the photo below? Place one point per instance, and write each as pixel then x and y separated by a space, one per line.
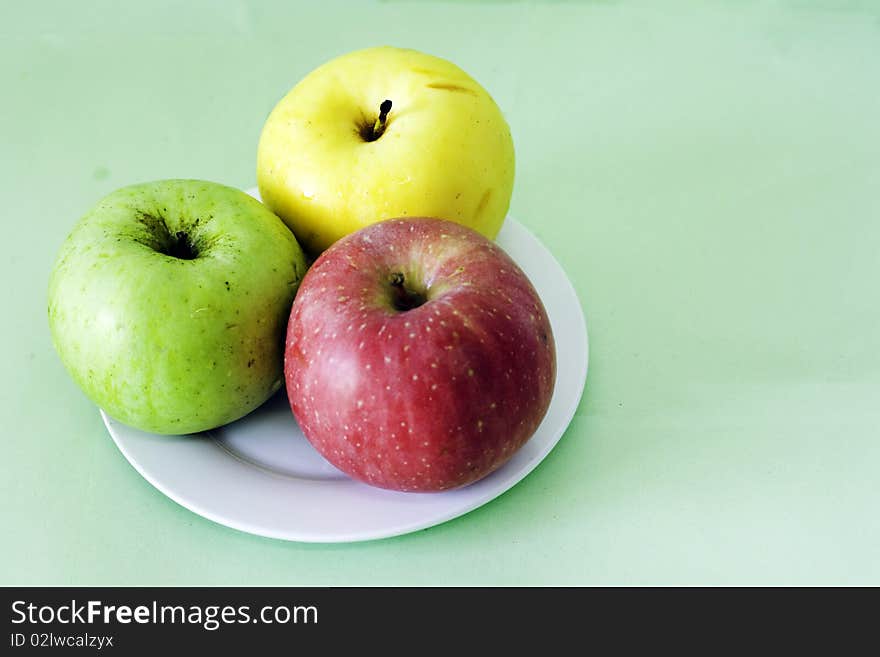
pixel 484 201
pixel 449 86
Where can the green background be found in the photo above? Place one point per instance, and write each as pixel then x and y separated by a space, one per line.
pixel 708 176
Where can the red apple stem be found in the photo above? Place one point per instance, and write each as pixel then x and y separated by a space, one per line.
pixel 402 298
pixel 379 125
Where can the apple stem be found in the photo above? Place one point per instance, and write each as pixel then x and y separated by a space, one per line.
pixel 402 298
pixel 379 125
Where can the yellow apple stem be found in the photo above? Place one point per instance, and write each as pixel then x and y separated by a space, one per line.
pixel 379 125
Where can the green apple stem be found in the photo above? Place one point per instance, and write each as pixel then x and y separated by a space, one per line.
pixel 379 125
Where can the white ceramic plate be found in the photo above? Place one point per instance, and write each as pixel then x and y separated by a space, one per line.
pixel 260 475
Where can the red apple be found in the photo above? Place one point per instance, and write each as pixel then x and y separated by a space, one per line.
pixel 419 356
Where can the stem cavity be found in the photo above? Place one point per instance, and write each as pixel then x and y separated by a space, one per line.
pixel 404 298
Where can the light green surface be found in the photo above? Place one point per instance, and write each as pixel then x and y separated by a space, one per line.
pixel 707 174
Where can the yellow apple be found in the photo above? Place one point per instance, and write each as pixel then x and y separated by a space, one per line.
pixel 330 161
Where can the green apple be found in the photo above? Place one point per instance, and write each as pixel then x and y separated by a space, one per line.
pixel 330 161
pixel 169 301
